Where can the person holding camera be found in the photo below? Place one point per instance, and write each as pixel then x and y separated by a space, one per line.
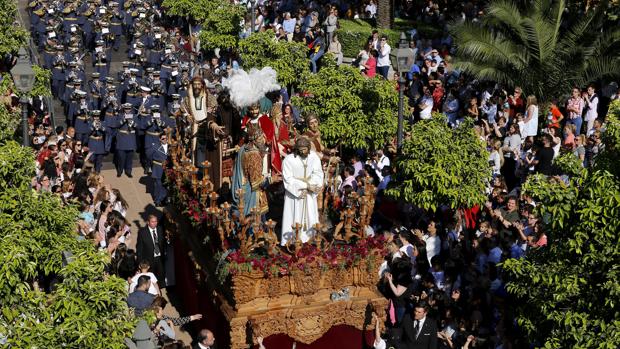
pixel 378 161
pixel 383 60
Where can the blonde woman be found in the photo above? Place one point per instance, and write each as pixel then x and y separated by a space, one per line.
pixel 580 148
pixel 531 117
pixel 496 158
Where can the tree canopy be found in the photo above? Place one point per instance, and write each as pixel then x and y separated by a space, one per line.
pixel 442 166
pixel 355 111
pixel 45 302
pixel 219 20
pixel 221 27
pixel 12 36
pixel 9 121
pixel 289 59
pixel 567 294
pixel 194 9
pixel 532 45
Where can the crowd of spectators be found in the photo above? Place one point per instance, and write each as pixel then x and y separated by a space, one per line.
pixel 443 268
pixel 442 275
pixel 63 168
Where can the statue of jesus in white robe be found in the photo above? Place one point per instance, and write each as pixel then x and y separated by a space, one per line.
pixel 302 175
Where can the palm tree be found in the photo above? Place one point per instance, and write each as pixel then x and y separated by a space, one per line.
pixel 529 44
pixel 385 14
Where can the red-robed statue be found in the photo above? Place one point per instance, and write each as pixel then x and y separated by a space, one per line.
pixel 257 120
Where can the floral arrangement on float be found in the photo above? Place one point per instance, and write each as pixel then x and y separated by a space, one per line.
pixel 367 252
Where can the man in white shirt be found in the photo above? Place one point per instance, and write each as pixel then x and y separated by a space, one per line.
pixel 144 270
pixel 591 101
pixel 383 61
pixel 378 161
pixel 426 104
pixel 431 240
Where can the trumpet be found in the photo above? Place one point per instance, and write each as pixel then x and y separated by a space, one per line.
pixel 141 110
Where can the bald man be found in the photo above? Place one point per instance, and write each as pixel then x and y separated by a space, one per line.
pixel 205 340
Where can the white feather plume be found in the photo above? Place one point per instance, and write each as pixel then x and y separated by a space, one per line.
pixel 247 89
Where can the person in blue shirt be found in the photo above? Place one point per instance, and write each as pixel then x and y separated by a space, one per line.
pixel 415 69
pixel 140 299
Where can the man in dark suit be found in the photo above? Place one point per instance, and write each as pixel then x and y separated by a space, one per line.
pixel 151 246
pixel 419 331
pixel 205 340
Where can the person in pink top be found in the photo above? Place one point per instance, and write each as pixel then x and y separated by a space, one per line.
pixel 371 64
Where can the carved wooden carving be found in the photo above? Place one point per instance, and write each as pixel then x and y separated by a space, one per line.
pixel 308 323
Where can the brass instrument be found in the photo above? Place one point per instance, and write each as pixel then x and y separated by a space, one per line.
pixel 142 110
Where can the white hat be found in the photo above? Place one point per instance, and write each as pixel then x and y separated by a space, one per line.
pixel 145 89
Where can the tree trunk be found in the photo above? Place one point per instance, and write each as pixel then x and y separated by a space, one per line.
pixel 385 14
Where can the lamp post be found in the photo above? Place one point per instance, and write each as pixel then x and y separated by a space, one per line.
pixel 252 9
pixel 402 59
pixel 23 78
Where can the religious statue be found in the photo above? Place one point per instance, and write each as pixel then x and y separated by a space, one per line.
pixel 328 156
pixel 281 130
pixel 222 146
pixel 302 174
pixel 250 175
pixel 314 134
pixel 199 106
pixel 255 119
pixel 246 91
